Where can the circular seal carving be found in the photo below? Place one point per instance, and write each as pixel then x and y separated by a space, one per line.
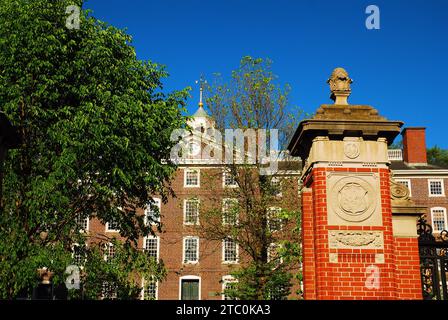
pixel 353 199
pixel 351 150
pixel 398 191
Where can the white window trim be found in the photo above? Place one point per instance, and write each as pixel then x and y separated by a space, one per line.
pixel 185 178
pixel 190 278
pixel 185 212
pixel 279 210
pixel 106 253
pixel 224 181
pixel 111 230
pixel 142 294
pixel 223 212
pixel 158 244
pixel 432 218
pixel 116 289
pixel 88 226
pixel 277 179
pixel 276 246
pixel 223 253
pixel 158 203
pixel 107 224
pixel 225 280
pixel 442 185
pixel 409 184
pixel 183 250
pixel 76 244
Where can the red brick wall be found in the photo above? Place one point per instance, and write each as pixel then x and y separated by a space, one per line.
pixel 308 243
pixel 420 194
pixel 346 279
pixel 210 267
pixel 408 268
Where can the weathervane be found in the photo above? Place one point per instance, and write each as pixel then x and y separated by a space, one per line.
pixel 201 82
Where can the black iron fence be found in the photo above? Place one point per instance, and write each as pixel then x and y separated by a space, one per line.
pixel 433 249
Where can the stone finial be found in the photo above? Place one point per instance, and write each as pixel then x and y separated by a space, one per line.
pixel 340 86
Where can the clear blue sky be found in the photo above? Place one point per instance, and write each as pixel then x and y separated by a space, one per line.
pixel 401 69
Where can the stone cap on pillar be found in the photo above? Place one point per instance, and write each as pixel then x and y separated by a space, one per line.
pixel 341 120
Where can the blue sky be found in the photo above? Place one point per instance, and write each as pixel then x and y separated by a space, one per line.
pixel 401 69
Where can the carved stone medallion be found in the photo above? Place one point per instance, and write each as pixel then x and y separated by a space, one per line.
pixel 353 199
pixel 351 150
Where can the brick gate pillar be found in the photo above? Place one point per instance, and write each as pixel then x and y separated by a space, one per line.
pixel 351 249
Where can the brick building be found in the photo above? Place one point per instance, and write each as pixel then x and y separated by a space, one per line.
pixel 199 269
pixel 426 183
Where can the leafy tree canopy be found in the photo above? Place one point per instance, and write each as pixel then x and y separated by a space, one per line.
pixel 265 216
pixel 95 130
pixel 437 156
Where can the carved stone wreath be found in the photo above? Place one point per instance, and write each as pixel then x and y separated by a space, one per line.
pixel 366 239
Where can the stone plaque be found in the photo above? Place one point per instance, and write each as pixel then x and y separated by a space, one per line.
pixel 353 199
pixel 355 239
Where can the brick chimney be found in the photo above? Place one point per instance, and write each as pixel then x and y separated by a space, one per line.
pixel 414 146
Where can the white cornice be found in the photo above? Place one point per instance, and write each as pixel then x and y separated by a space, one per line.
pixel 422 172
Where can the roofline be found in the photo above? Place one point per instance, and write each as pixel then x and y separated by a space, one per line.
pixel 419 172
pixel 418 128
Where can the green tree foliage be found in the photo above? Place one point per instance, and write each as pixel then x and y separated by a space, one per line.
pixel 268 239
pixel 122 272
pixel 95 130
pixel 276 286
pixel 253 99
pixel 398 144
pixel 437 156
